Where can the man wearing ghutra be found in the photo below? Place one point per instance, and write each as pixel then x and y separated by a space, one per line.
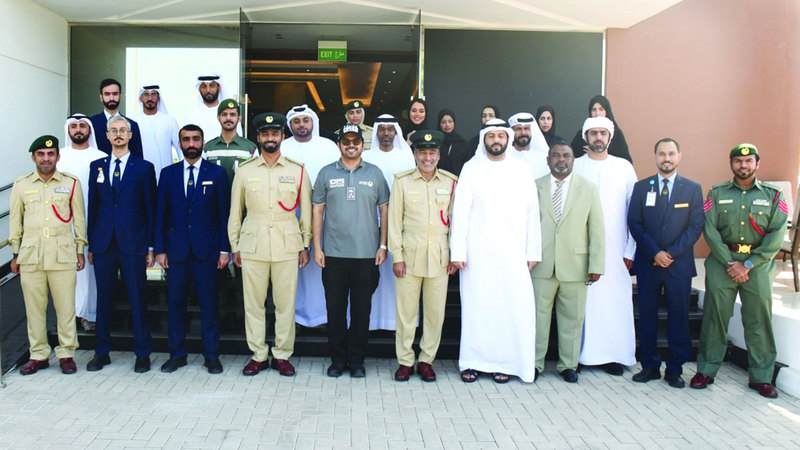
pixel 314 152
pixel 76 156
pixel 529 143
pixel 495 240
pixel 204 114
pixel 392 155
pixel 608 333
pixel 159 129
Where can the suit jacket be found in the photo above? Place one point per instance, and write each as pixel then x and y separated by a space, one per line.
pixel 574 247
pixel 128 216
pixel 99 123
pixel 676 230
pixel 199 222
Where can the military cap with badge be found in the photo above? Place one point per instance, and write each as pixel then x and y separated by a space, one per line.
pixel 269 120
pixel 426 139
pixel 227 104
pixel 42 142
pixel 744 149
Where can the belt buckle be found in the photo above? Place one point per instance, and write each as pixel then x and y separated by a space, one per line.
pixel 743 248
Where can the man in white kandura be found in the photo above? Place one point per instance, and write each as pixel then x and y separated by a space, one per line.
pixel 80 150
pixel 210 91
pixel 529 143
pixel 608 334
pixel 159 130
pixel 495 240
pixel 314 152
pixel 391 153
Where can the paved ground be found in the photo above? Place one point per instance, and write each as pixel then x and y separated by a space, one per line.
pixel 116 408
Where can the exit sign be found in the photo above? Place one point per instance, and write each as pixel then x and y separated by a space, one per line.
pixel 332 50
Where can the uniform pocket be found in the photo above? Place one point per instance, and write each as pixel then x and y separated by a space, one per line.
pixel 255 193
pixel 293 241
pixel 580 250
pixel 29 252
pixel 248 238
pixel 287 196
pixel 67 252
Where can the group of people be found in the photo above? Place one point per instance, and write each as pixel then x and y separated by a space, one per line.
pixel 353 237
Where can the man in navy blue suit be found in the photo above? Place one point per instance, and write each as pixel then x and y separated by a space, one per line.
pixel 665 217
pixel 110 96
pixel 191 244
pixel 122 193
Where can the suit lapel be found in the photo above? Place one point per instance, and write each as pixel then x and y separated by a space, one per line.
pixel 198 182
pixel 571 196
pixel 127 173
pixel 548 206
pixel 107 174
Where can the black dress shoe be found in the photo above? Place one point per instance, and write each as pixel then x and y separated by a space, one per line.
pixel 213 365
pixel 674 380
pixel 569 375
pixel 357 372
pixel 535 375
pixel 98 362
pixel 142 364
pixel 335 370
pixel 613 368
pixel 172 364
pixel 646 375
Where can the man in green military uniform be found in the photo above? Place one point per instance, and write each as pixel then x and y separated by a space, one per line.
pixel 419 229
pixel 229 150
pixel 47 231
pixel 270 244
pixel 745 225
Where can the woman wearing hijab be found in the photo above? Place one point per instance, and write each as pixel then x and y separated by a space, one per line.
pixel 417 117
pixel 546 118
pixel 599 106
pixel 488 112
pixel 453 152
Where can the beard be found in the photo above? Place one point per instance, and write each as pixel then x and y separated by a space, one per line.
pixel 79 139
pixel 150 105
pixel 111 104
pixel 598 147
pixel 191 152
pixel 522 141
pixel 493 152
pixel 666 169
pixel 561 170
pixel 211 97
pixel 270 147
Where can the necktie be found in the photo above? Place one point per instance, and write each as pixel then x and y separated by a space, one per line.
pixel 117 177
pixel 663 200
pixel 190 183
pixel 665 189
pixel 558 199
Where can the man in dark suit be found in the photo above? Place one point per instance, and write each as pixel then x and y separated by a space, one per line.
pixel 122 192
pixel 191 243
pixel 665 218
pixel 110 96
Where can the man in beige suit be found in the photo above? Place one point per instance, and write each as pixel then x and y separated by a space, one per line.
pixel 573 243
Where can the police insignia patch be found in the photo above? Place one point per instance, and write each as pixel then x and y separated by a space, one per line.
pixel 745 151
pixel 428 137
pixel 231 105
pixel 48 143
pixel 269 119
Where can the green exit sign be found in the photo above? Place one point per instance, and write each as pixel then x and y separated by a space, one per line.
pixel 332 51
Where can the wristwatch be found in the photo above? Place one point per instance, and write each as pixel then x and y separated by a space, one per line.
pixel 748 264
pixel 383 247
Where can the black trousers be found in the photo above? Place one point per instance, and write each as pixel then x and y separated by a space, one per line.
pixel 357 278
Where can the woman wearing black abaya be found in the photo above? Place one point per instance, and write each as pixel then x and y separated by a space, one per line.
pixel 546 118
pixel 453 152
pixel 600 106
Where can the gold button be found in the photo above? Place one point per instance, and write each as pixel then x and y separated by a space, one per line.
pixel 742 223
pixel 429 242
pixel 760 213
pixel 430 203
pixel 271 206
pixel 46 202
pixel 45 185
pixel 430 223
pixel 741 238
pixel 742 206
pixel 47 219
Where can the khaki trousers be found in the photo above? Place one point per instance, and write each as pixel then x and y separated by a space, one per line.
pixel 256 276
pixel 434 296
pixel 569 299
pixel 61 285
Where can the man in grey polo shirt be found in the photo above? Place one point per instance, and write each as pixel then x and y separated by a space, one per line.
pixel 349 245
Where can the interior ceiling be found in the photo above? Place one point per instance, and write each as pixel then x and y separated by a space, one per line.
pixel 563 15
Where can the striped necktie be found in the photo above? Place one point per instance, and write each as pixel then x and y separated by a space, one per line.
pixel 558 199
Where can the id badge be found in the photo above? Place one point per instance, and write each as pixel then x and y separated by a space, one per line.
pixel 351 193
pixel 651 199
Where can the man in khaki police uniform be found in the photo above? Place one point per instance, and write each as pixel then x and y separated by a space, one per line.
pixel 419 228
pixel 46 205
pixel 270 244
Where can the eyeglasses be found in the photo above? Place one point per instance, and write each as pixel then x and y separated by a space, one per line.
pixel 115 132
pixel 150 95
pixel 354 141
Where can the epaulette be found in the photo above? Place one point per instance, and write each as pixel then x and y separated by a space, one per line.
pixel 404 173
pixel 69 175
pixel 448 174
pixel 294 161
pixel 771 186
pixel 249 160
pixel 24 176
pixel 723 184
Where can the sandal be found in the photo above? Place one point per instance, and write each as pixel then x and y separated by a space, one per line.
pixel 500 378
pixel 469 375
pixel 87 325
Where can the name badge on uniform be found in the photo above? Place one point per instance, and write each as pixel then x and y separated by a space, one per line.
pixel 62 190
pixel 443 191
pixel 337 182
pixel 681 205
pixel 208 183
pixel 100 177
pixel 286 179
pixel 253 179
pixel 651 199
pixel 351 193
pixel 761 202
pixel 725 202
pixel 32 191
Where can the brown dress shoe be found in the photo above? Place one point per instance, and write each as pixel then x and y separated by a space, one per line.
pixel 67 365
pixel 33 366
pixel 283 366
pixel 765 389
pixel 426 372
pixel 700 381
pixel 253 367
pixel 403 373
